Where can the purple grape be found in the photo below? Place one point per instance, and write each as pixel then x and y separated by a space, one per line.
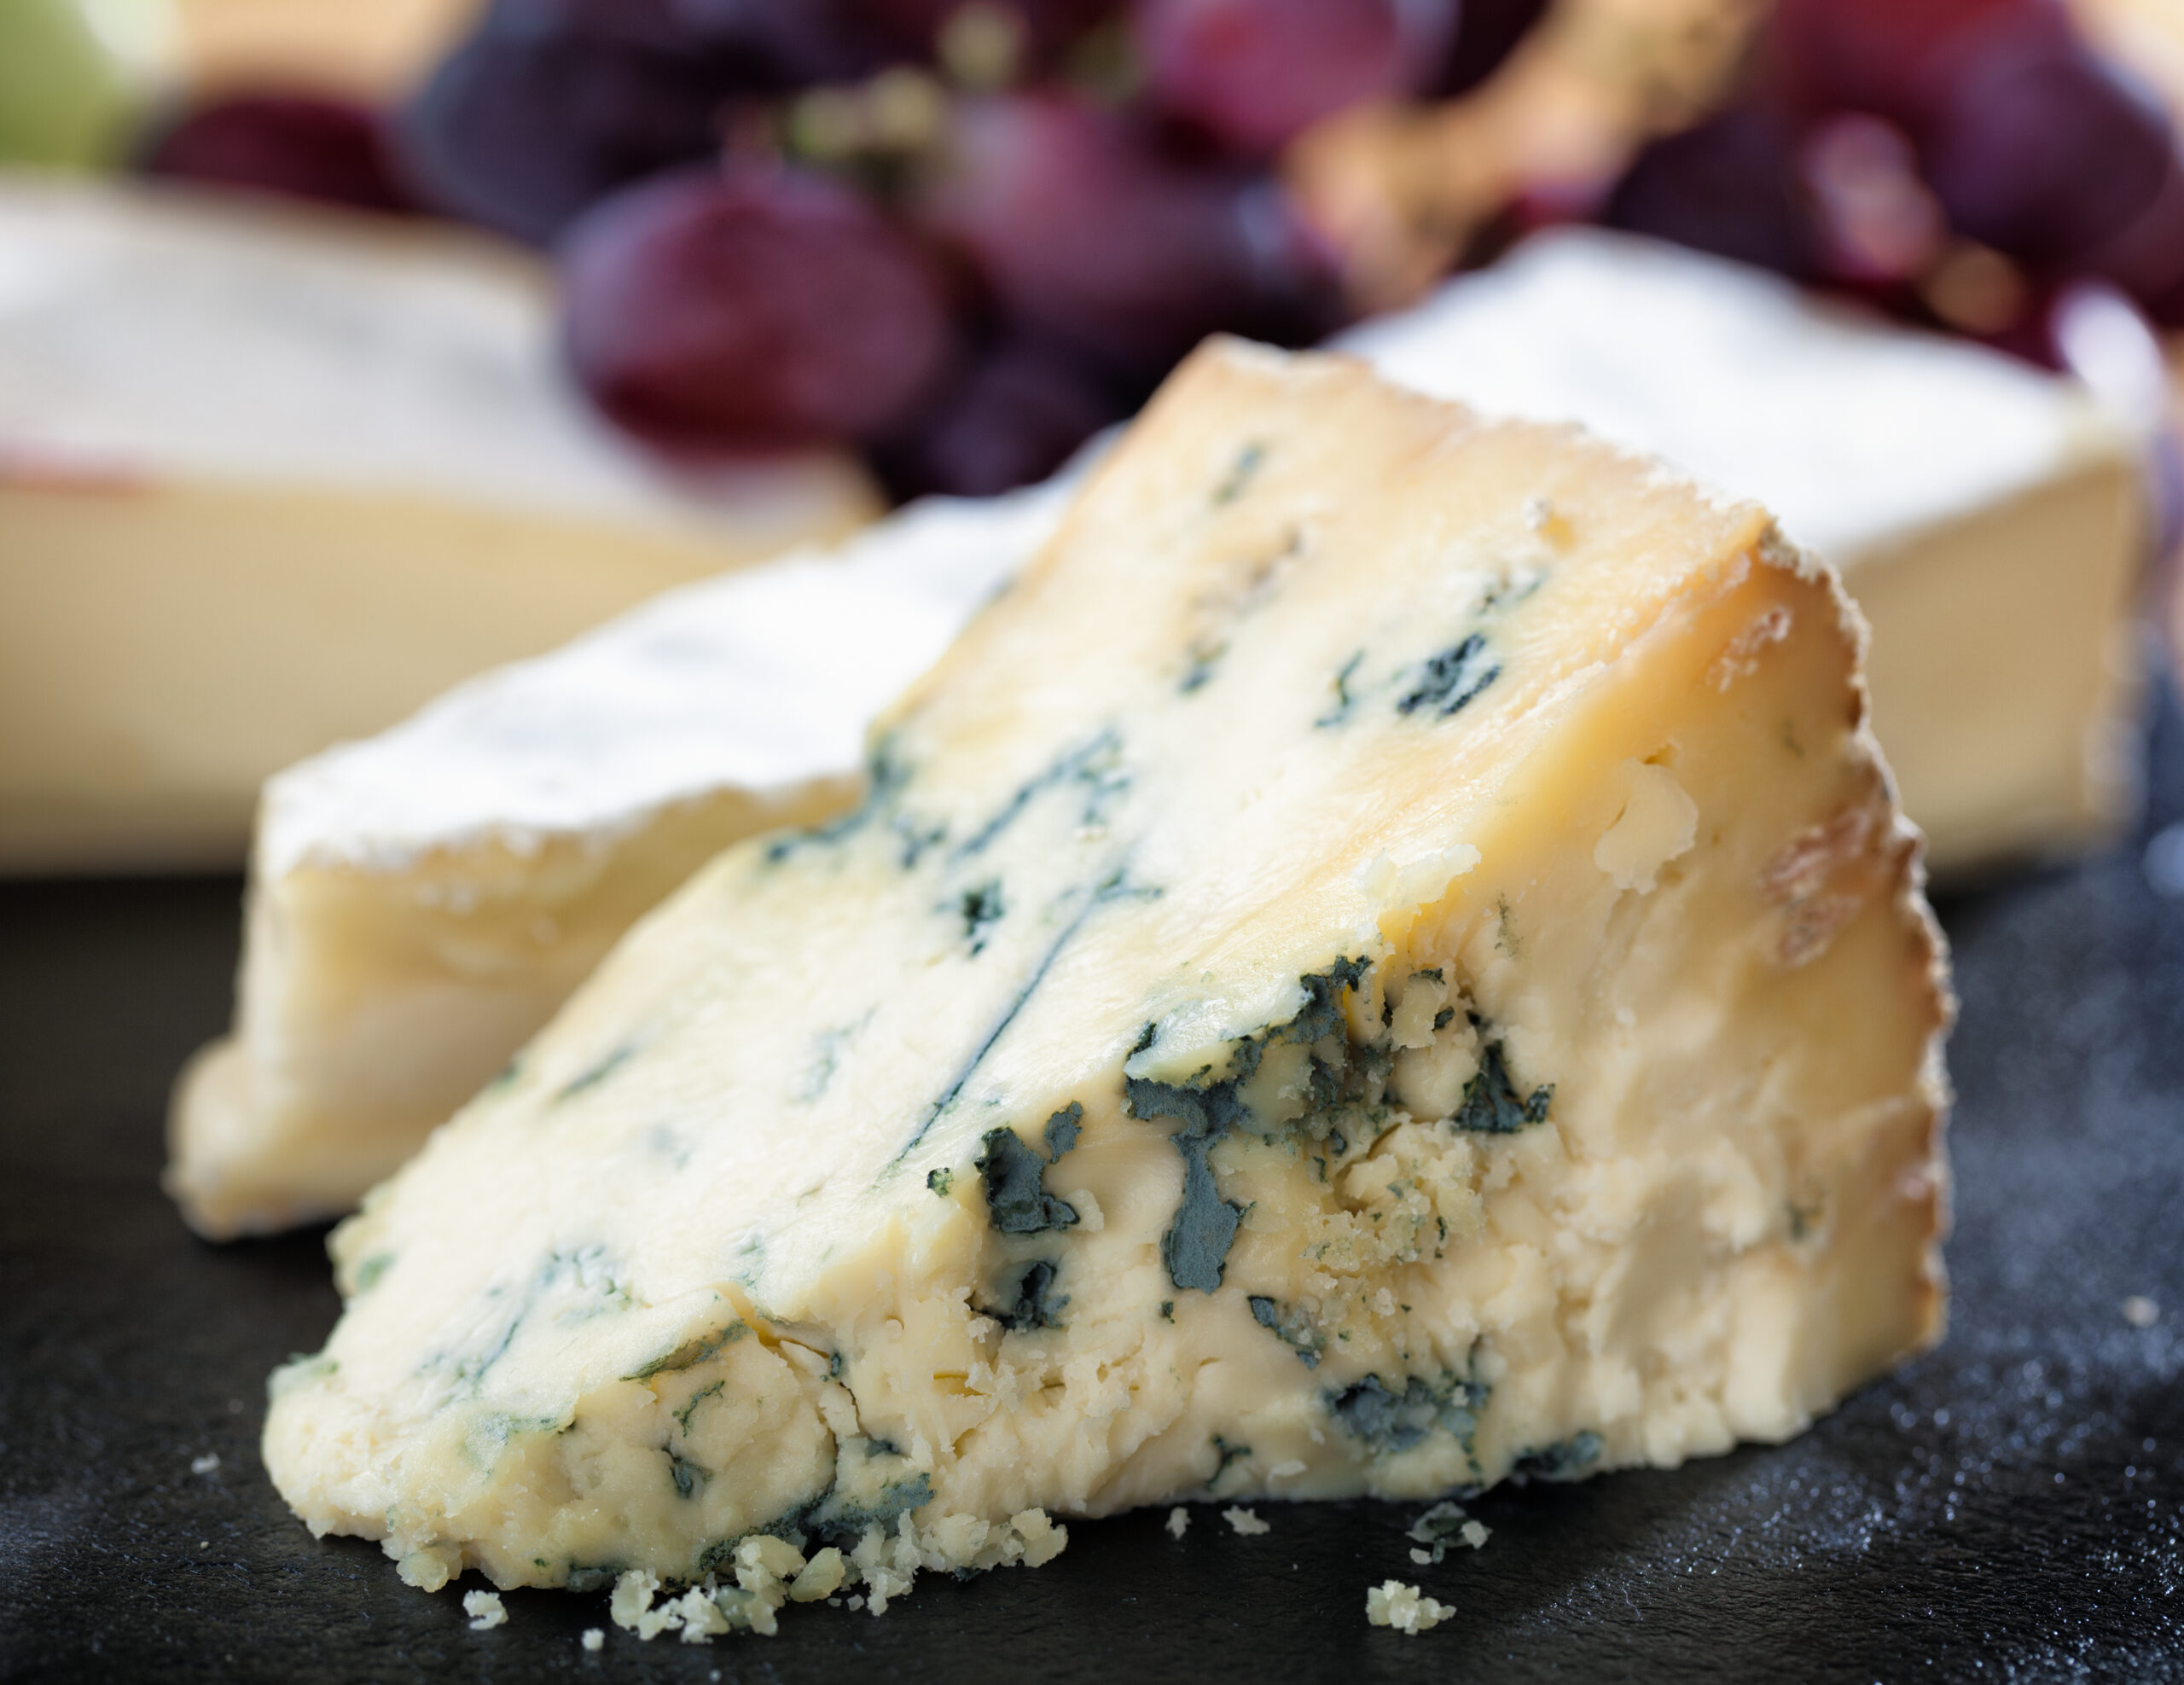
pixel 2046 154
pixel 1253 73
pixel 1087 236
pixel 756 308
pixel 1730 186
pixel 1897 58
pixel 553 104
pixel 297 146
pixel 1014 418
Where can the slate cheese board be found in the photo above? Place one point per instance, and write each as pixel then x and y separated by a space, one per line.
pixel 2009 1506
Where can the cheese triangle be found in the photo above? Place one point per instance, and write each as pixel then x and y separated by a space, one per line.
pixel 1386 961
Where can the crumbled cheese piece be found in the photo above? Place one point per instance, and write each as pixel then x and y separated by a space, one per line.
pixel 1475 1533
pixel 702 1617
pixel 484 1609
pixel 594 1638
pixel 633 1595
pixel 1392 1603
pixel 211 1459
pixel 820 1576
pixel 2139 1310
pixel 1420 1557
pixel 1179 1521
pixel 1246 1522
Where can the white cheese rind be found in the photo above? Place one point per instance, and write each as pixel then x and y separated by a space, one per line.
pixel 1039 1137
pixel 270 478
pixel 1853 433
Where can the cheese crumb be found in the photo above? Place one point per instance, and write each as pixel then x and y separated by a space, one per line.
pixel 1476 1533
pixel 1421 1559
pixel 1179 1521
pixel 633 1595
pixel 1392 1603
pixel 594 1638
pixel 211 1459
pixel 820 1578
pixel 2139 1310
pixel 1246 1522
pixel 484 1609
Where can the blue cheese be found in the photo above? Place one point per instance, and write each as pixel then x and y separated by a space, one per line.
pixel 1308 991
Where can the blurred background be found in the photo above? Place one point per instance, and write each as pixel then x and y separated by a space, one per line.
pixel 784 262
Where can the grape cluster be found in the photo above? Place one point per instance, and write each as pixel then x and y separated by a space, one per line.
pixel 961 236
pixel 1973 164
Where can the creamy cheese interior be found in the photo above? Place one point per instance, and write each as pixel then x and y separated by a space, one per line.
pixel 1387 960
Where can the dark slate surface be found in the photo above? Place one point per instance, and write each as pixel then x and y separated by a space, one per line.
pixel 2012 1506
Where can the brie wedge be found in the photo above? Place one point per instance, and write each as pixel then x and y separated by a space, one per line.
pixel 421 893
pixel 270 479
pixel 421 902
pixel 1387 960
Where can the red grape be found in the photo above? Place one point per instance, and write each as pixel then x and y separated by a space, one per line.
pixel 1729 186
pixel 1895 58
pixel 1088 236
pixel 1252 74
pixel 753 308
pixel 295 145
pixel 2048 155
pixel 552 104
pixel 1013 419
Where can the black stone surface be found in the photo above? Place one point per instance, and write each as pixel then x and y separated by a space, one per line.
pixel 2011 1505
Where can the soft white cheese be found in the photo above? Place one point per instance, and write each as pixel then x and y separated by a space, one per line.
pixel 778 1238
pixel 422 900
pixel 270 478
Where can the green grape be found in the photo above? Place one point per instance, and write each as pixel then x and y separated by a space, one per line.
pixel 72 78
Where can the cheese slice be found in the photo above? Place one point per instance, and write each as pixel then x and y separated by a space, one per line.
pixel 442 889
pixel 421 902
pixel 1387 960
pixel 269 479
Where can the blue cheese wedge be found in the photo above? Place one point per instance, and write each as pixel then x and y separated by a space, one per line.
pixel 440 889
pixel 1387 960
pixel 270 479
